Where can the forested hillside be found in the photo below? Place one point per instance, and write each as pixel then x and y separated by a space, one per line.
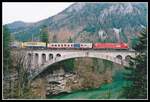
pixel 88 22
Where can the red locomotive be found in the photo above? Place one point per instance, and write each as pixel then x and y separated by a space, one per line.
pixel 110 46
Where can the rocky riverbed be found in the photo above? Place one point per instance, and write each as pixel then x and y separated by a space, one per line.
pixel 68 82
pixel 57 83
pixel 83 77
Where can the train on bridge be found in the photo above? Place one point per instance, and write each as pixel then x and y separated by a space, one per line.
pixel 43 45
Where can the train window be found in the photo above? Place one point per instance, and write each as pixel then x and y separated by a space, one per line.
pixel 52 45
pixel 68 45
pixel 81 45
pixel 55 45
pixel 58 45
pixel 71 45
pixel 64 44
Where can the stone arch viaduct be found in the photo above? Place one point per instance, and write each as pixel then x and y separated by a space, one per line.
pixel 39 60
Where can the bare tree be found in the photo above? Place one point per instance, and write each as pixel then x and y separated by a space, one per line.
pixel 20 65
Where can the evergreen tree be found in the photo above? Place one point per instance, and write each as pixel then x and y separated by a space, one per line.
pixel 70 40
pixel 44 34
pixel 138 88
pixel 6 50
pixel 7 70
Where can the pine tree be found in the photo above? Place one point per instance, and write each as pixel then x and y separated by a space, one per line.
pixel 70 40
pixel 44 34
pixel 6 50
pixel 7 83
pixel 138 88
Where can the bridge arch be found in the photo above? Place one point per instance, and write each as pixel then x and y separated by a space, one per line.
pixel 58 55
pixel 43 58
pixel 127 58
pixel 48 64
pixel 29 55
pixel 36 59
pixel 119 57
pixel 29 60
pixel 51 56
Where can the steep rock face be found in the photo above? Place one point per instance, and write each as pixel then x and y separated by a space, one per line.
pixel 83 22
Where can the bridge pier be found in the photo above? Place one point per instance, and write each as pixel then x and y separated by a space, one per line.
pixel 47 57
pixel 40 60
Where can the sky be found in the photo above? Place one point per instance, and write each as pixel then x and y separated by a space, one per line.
pixel 31 11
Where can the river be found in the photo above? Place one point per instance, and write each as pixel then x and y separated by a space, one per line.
pixel 106 91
